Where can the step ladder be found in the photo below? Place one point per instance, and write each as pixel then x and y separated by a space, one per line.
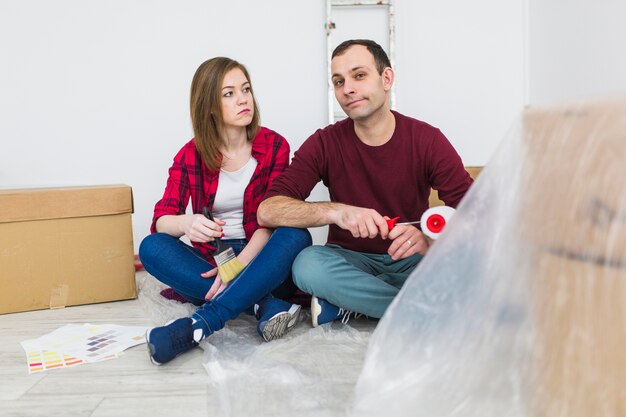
pixel 332 5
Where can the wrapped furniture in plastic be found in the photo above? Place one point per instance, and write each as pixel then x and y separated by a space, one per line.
pixel 519 309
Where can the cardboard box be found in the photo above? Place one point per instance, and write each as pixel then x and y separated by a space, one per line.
pixel 65 246
pixel 434 200
pixel 574 202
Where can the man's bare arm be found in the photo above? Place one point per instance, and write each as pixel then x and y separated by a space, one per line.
pixel 286 211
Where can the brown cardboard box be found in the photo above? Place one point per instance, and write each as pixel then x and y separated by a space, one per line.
pixel 65 246
pixel 576 204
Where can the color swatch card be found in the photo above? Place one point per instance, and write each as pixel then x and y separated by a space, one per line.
pixel 75 344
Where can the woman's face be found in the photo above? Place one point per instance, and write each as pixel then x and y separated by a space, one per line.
pixel 237 103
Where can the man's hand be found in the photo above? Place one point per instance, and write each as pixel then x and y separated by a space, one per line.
pixel 200 229
pixel 217 287
pixel 407 241
pixel 361 222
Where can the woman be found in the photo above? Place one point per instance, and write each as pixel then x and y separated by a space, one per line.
pixel 226 167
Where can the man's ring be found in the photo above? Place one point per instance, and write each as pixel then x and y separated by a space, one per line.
pixel 409 242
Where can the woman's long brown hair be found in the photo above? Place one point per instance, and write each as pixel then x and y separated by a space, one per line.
pixel 206 108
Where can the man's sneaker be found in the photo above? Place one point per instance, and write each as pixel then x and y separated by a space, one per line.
pixel 323 312
pixel 276 317
pixel 169 341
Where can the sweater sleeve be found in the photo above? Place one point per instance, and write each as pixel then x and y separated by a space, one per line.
pixel 447 174
pixel 305 171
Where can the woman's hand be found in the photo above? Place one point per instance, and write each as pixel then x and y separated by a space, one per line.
pixel 200 229
pixel 217 287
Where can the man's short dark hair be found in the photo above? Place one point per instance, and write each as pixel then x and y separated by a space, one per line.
pixel 379 54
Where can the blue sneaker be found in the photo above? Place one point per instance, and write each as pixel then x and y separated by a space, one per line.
pixel 276 317
pixel 323 312
pixel 169 341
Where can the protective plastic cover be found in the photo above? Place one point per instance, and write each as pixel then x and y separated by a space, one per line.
pixel 308 372
pixel 520 307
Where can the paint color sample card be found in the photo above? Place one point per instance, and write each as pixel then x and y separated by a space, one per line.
pixel 75 344
pixel 42 360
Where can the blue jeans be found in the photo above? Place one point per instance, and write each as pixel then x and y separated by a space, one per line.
pixel 357 281
pixel 179 265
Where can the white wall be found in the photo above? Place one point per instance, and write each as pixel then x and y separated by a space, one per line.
pixel 460 67
pixel 577 49
pixel 96 92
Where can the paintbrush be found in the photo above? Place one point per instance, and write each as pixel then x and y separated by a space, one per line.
pixel 227 263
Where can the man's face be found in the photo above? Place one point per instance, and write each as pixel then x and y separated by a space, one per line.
pixel 360 90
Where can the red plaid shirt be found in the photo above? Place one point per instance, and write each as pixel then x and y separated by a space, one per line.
pixel 189 178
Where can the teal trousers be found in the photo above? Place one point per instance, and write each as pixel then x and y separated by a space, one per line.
pixel 361 282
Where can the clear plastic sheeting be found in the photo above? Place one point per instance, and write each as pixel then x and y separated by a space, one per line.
pixel 309 371
pixel 519 309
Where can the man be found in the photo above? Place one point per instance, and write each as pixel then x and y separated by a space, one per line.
pixel 376 164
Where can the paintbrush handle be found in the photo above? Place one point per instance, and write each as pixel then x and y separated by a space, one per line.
pixel 219 246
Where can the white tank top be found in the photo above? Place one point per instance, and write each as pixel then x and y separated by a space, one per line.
pixel 228 205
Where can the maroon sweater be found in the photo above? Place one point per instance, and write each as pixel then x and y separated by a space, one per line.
pixel 394 179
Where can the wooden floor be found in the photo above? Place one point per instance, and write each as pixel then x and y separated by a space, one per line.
pixel 128 386
pixel 132 386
